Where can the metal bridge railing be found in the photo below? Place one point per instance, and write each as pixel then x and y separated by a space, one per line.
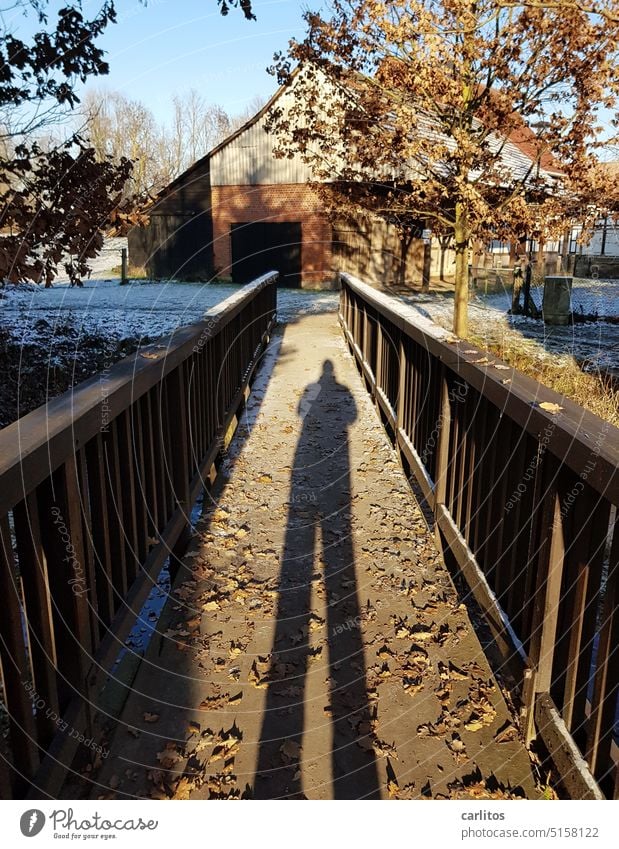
pixel 96 491
pixel 524 486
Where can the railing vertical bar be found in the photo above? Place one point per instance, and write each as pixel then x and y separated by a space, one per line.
pixel 136 427
pixel 400 414
pixel 490 466
pixel 79 582
pixel 517 533
pixel 546 597
pixel 469 482
pixel 97 489
pixel 444 439
pixel 380 376
pixel 462 456
pixel 37 610
pixel 15 668
pixel 481 483
pixel 179 449
pixel 128 493
pixel 600 730
pixel 150 474
pixel 88 546
pixel 583 578
pixel 113 496
pixel 505 446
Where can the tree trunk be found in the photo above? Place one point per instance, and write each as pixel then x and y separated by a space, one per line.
pixel 427 266
pixel 462 240
pixel 402 262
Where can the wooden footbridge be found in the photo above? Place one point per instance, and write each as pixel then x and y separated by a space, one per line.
pixel 342 619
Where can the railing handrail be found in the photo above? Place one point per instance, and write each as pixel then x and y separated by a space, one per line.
pixel 37 443
pixel 575 433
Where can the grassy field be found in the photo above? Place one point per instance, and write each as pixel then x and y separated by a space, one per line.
pixel 596 392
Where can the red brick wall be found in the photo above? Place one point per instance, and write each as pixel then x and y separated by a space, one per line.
pixel 277 203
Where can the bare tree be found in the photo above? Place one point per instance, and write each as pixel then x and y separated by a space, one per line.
pixel 119 127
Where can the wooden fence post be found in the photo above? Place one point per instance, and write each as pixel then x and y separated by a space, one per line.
pixel 123 267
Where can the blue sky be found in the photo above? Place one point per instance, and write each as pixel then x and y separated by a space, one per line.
pixel 170 46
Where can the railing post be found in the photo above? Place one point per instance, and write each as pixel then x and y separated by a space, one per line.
pixel 379 355
pixel 179 444
pixel 15 672
pixel 545 605
pixel 442 453
pixel 601 725
pixel 402 371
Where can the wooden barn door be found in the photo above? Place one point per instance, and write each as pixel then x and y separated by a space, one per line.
pixel 264 246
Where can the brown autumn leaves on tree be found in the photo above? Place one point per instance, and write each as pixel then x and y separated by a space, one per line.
pixel 56 200
pixel 418 97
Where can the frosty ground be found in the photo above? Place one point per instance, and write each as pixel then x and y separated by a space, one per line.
pixel 139 309
pixel 594 344
pixel 52 339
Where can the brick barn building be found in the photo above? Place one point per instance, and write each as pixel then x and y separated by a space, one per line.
pixel 240 211
pixel 237 212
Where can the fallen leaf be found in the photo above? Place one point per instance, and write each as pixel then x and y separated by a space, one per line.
pixel 291 749
pixel 506 734
pixel 550 407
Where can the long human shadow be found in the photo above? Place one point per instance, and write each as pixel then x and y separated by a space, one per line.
pixel 318 548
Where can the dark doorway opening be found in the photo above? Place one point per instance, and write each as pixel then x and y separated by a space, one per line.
pixel 264 246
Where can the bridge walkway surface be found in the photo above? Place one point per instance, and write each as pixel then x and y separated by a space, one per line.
pixel 313 644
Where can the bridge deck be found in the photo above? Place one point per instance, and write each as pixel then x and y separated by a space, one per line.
pixel 314 644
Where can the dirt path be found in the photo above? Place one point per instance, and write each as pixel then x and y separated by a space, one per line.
pixel 314 645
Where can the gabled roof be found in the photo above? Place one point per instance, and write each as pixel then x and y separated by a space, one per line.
pixel 199 163
pixel 520 149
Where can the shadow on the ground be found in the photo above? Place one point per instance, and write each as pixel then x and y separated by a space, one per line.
pixel 318 551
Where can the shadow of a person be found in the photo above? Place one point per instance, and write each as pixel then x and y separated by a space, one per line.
pixel 319 506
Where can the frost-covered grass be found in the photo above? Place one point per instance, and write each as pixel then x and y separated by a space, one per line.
pixel 580 361
pixel 595 391
pixel 593 345
pixel 52 339
pixel 139 309
pixel 61 328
